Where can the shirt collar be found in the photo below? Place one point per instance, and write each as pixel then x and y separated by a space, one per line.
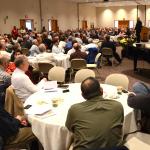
pixel 19 70
pixel 97 98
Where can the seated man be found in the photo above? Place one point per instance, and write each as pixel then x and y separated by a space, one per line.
pixel 5 78
pixel 44 56
pixel 14 131
pixel 91 44
pixel 3 51
pixel 55 48
pixel 78 53
pixel 140 99
pixel 21 82
pixel 34 50
pixel 109 44
pixel 97 122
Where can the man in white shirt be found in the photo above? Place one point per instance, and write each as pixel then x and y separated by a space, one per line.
pixel 34 50
pixel 44 56
pixel 3 51
pixel 20 81
pixel 73 49
pixel 56 49
pixel 91 44
pixel 78 39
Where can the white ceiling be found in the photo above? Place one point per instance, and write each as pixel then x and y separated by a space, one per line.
pixel 101 3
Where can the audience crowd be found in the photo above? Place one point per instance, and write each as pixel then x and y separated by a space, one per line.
pixel 83 118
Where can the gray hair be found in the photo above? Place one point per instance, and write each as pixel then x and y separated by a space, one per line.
pixel 35 41
pixel 3 59
pixel 42 48
pixel 90 40
pixel 20 60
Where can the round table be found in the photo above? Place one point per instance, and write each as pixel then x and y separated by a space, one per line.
pixel 50 128
pixel 61 60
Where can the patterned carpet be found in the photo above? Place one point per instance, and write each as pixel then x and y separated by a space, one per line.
pixel 126 67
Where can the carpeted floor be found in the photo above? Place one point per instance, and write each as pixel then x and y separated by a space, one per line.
pixel 126 67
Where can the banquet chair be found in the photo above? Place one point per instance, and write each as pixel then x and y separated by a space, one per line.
pixel 1 82
pixel 2 94
pixel 25 51
pixel 57 74
pixel 106 53
pixel 1 143
pixel 45 67
pixel 91 55
pixel 83 74
pixel 13 104
pixel 77 64
pixel 96 65
pixel 117 80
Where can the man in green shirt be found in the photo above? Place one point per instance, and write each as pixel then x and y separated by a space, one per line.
pixel 97 122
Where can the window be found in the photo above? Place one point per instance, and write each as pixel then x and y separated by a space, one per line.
pixel 149 23
pixel 49 25
pixel 131 24
pixel 116 24
pixel 29 24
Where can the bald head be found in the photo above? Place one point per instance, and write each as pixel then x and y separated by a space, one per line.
pixel 90 88
pixel 76 46
pixel 42 48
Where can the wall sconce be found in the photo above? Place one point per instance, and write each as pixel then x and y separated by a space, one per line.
pixel 5 19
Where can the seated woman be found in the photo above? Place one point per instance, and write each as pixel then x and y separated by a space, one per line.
pixel 11 67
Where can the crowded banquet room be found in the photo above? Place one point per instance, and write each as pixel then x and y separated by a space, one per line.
pixel 75 75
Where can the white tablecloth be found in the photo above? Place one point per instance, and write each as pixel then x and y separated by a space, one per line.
pixel 61 60
pixel 51 130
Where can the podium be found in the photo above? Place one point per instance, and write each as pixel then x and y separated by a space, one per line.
pixel 144 34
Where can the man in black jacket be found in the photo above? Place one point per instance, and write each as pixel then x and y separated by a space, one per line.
pixel 138 29
pixel 14 131
pixel 109 44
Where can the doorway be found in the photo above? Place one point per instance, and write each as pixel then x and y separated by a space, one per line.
pixel 84 24
pixel 27 23
pixel 53 25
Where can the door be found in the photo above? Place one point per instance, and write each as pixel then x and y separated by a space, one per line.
pixel 53 25
pixel 84 24
pixel 27 23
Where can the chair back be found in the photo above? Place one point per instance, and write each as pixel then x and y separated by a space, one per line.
pixel 91 55
pixel 1 81
pixel 25 51
pixel 83 74
pixel 78 64
pixel 1 143
pixel 107 51
pixel 2 94
pixel 57 73
pixel 118 80
pixel 97 58
pixel 45 67
pixel 13 104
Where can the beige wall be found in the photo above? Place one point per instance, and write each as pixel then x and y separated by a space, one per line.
pixel 106 16
pixel 64 12
pixel 16 10
pixel 87 13
pixel 148 16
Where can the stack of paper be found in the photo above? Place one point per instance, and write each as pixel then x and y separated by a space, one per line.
pixel 38 110
pixel 50 86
